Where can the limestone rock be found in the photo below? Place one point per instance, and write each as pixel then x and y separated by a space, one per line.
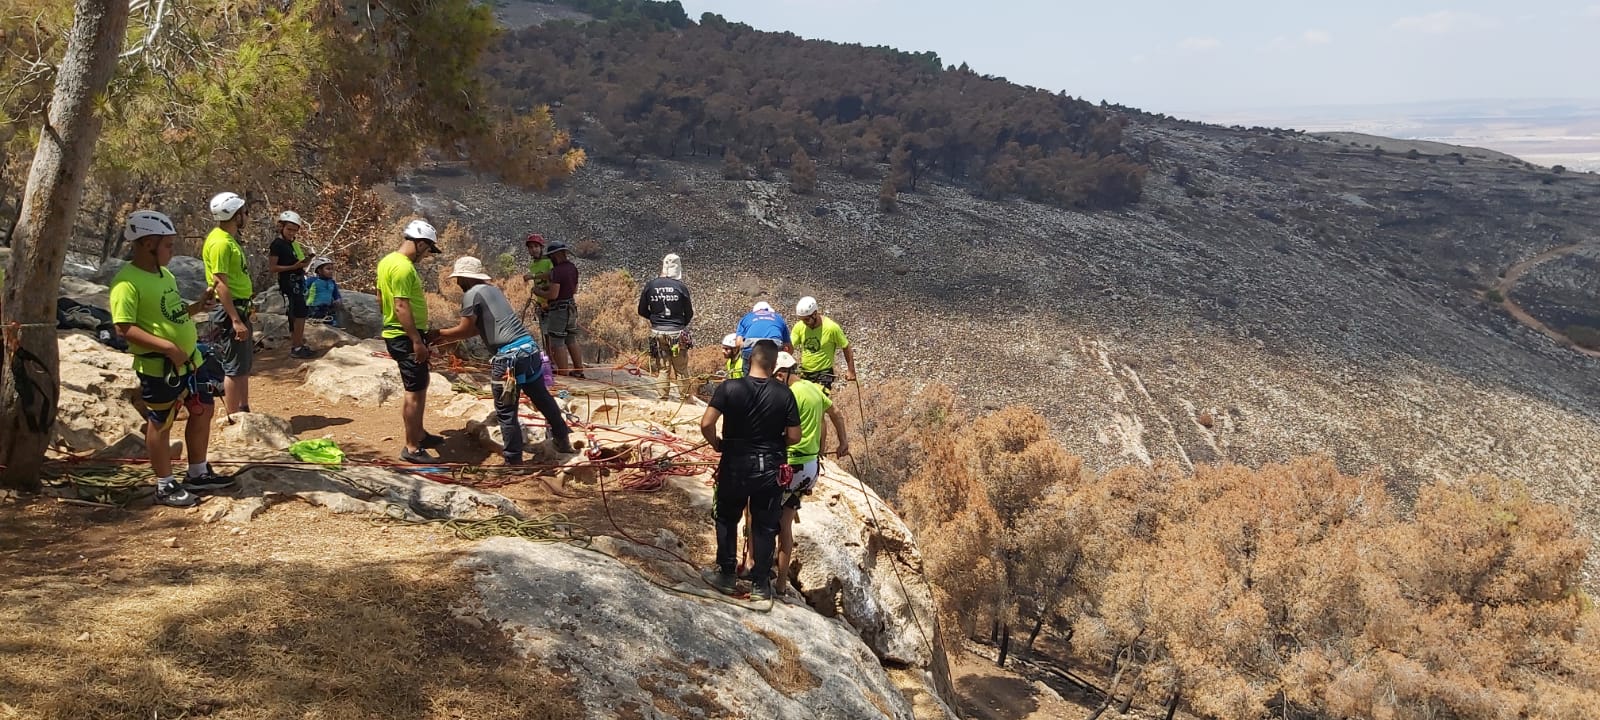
pixel 359 489
pixel 272 331
pixel 360 315
pixel 352 372
pixel 190 273
pixel 252 436
pixel 587 612
pixel 85 291
pixel 95 409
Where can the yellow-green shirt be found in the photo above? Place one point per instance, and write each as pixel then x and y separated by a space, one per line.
pixel 151 302
pixel 223 256
pixel 735 368
pixel 817 347
pixel 397 278
pixel 814 404
pixel 540 270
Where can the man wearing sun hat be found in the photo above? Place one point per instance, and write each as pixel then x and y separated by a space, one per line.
pixel 487 313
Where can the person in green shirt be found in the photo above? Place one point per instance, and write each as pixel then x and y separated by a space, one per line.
pixel 818 339
pixel 229 277
pixel 406 333
pixel 159 327
pixel 732 357
pixel 804 457
pixel 538 273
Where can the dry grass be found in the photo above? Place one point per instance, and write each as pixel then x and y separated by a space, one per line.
pixel 788 676
pixel 587 248
pixel 106 621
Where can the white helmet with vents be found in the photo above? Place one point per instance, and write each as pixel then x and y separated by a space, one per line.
pixel 145 223
pixel 806 307
pixel 290 216
pixel 225 205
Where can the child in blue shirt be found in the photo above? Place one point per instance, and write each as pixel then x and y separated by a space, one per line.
pixel 322 293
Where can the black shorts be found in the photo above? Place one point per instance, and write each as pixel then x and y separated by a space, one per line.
pixel 413 375
pixel 824 378
pixel 295 296
pixel 162 397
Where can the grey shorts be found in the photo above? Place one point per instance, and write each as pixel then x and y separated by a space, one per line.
pixel 237 356
pixel 560 320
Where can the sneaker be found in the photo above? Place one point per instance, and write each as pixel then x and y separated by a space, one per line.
pixel 724 582
pixel 512 460
pixel 417 457
pixel 303 352
pixel 762 591
pixel 431 441
pixel 563 446
pixel 176 495
pixel 209 481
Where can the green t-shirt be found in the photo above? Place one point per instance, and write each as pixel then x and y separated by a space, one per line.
pixel 814 404
pixel 151 302
pixel 735 368
pixel 817 347
pixel 397 278
pixel 540 270
pixel 223 256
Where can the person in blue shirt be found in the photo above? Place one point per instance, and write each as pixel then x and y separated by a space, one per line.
pixel 322 292
pixel 761 323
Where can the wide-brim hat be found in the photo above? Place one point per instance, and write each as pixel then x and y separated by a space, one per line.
pixel 469 267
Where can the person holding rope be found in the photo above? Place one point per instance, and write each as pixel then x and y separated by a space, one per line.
pixel 227 273
pixel 666 304
pixel 487 313
pixel 560 321
pixel 538 277
pixel 288 258
pixel 761 323
pixel 760 420
pixel 819 339
pixel 159 327
pixel 805 457
pixel 406 334
pixel 733 363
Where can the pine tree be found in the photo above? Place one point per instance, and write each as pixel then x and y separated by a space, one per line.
pixel 802 173
pixel 888 196
pixel 732 166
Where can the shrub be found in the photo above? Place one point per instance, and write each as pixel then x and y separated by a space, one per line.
pixel 1494 295
pixel 1558 169
pixel 1413 154
pixel 1585 336
pixel 587 248
pixel 803 174
pixel 606 312
pixel 888 196
pixel 732 166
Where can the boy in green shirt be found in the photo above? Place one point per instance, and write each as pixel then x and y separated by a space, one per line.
pixel 406 333
pixel 804 457
pixel 228 275
pixel 151 315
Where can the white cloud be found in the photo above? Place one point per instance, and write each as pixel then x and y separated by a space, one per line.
pixel 1445 22
pixel 1593 11
pixel 1317 37
pixel 1199 44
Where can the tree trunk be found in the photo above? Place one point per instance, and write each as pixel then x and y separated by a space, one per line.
pixel 1172 704
pixel 50 203
pixel 1005 644
pixel 1051 599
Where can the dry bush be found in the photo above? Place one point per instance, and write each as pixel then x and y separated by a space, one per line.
pixel 607 312
pixel 587 248
pixel 887 437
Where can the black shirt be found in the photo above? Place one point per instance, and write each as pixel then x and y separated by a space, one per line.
pixel 666 303
pixel 282 252
pixel 755 412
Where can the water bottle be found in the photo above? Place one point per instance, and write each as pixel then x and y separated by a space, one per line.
pixel 549 377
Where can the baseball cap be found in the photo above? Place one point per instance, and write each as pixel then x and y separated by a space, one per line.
pixel 469 267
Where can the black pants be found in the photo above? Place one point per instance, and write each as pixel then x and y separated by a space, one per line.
pixel 525 367
pixel 748 481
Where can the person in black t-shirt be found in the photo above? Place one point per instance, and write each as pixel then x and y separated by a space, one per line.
pixel 665 303
pixel 760 420
pixel 289 260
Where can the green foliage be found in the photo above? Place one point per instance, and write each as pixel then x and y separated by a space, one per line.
pixel 1584 335
pixel 658 15
pixel 507 265
pixel 1495 296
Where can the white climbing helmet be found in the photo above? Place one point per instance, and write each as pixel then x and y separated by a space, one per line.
pixel 730 340
pixel 806 307
pixel 225 205
pixel 421 230
pixel 145 223
pixel 290 216
pixel 761 306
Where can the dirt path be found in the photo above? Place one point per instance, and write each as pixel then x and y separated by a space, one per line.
pixel 1509 283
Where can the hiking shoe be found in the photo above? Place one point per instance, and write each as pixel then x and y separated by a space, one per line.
pixel 417 457
pixel 304 352
pixel 431 441
pixel 563 446
pixel 725 583
pixel 512 460
pixel 209 481
pixel 762 591
pixel 176 495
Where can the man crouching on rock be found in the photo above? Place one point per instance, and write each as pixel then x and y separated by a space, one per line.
pixel 151 315
pixel 760 420
pixel 487 313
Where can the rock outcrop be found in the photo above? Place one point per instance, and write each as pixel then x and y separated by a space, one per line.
pixel 355 373
pixel 190 273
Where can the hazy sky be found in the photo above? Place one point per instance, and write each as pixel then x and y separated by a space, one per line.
pixel 1209 56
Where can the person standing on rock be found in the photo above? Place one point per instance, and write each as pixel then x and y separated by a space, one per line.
pixel 405 332
pixel 819 339
pixel 538 277
pixel 160 330
pixel 560 322
pixel 228 275
pixel 761 323
pixel 666 304
pixel 289 259
pixel 487 313
pixel 805 457
pixel 760 420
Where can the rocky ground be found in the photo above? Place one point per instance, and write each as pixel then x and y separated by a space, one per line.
pixel 1273 295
